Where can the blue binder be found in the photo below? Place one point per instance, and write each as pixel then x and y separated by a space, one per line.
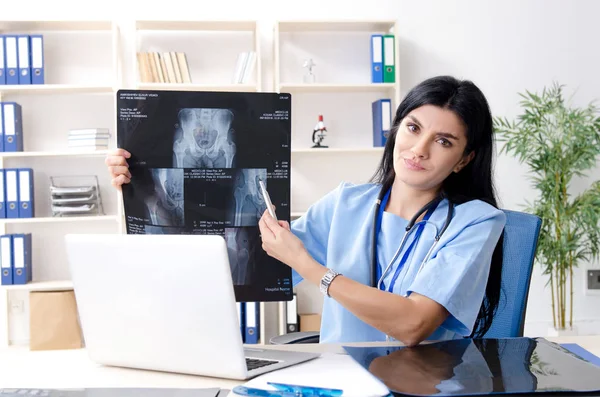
pixel 1 127
pixel 24 59
pixel 37 59
pixel 13 127
pixel 26 193
pixel 6 261
pixel 377 58
pixel 11 59
pixel 2 62
pixel 382 121
pixel 2 195
pixel 11 185
pixel 252 323
pixel 21 258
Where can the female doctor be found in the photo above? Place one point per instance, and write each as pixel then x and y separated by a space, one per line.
pixel 416 253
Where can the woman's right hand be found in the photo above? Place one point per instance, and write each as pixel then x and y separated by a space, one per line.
pixel 118 167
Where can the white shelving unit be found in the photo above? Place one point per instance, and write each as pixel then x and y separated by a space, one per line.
pixel 82 73
pixel 343 93
pixel 84 69
pixel 199 40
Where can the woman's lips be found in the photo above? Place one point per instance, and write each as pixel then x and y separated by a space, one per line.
pixel 411 165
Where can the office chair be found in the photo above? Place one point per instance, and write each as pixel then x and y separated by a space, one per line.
pixel 521 234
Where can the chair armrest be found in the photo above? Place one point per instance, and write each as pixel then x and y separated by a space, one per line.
pixel 296 337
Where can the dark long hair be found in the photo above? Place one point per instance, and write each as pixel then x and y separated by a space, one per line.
pixel 475 180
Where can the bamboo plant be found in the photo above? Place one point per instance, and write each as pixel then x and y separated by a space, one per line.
pixel 558 143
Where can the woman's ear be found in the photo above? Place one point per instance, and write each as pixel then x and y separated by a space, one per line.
pixel 463 163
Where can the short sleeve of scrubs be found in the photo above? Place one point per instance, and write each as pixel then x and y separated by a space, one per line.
pixel 456 277
pixel 313 228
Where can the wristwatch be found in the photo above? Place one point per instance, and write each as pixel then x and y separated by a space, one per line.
pixel 326 281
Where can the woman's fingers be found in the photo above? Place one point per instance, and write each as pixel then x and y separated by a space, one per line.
pixel 117 157
pixel 120 180
pixel 115 161
pixel 115 171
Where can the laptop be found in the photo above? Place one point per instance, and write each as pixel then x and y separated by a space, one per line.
pixel 164 303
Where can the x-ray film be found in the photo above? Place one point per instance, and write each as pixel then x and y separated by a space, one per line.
pixel 196 162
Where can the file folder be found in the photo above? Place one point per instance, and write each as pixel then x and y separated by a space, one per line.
pixel 6 259
pixel 24 64
pixel 382 121
pixel 389 59
pixel 26 193
pixel 13 127
pixel 292 315
pixel 377 58
pixel 37 59
pixel 21 258
pixel 252 322
pixel 12 193
pixel 1 127
pixel 2 63
pixel 11 58
pixel 2 195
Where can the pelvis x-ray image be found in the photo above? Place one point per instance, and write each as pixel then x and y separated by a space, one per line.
pixel 165 204
pixel 204 138
pixel 248 203
pixel 242 246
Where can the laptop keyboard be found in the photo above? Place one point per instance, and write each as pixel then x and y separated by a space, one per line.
pixel 253 363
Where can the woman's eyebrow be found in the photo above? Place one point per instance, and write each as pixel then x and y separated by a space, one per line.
pixel 443 134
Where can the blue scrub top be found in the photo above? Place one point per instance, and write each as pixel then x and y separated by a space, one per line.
pixel 337 232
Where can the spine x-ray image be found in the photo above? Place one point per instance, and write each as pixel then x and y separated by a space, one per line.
pixel 196 161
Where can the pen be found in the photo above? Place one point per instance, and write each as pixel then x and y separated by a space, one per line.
pixel 267 198
pixel 307 390
pixel 285 390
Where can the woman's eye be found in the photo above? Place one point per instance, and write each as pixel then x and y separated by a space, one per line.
pixel 445 142
pixel 412 127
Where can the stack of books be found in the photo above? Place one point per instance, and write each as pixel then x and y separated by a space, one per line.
pixel 89 139
pixel 166 67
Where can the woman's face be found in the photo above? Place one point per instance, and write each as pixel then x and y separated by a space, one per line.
pixel 430 144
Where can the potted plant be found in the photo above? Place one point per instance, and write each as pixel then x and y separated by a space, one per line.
pixel 557 143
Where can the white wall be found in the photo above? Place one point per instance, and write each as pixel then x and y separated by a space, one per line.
pixel 503 46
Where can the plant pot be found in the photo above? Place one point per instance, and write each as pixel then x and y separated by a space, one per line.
pixel 557 332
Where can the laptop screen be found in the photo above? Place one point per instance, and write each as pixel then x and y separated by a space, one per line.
pixel 197 158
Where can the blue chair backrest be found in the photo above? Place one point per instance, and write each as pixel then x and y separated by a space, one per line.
pixel 520 242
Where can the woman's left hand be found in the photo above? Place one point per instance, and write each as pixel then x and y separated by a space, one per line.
pixel 279 242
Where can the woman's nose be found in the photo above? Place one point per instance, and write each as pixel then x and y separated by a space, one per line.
pixel 420 148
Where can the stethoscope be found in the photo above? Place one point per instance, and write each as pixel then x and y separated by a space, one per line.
pixel 427 209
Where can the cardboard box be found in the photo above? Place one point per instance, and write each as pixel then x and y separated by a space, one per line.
pixel 54 321
pixel 310 322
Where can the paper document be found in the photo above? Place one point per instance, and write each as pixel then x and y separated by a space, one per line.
pixel 333 371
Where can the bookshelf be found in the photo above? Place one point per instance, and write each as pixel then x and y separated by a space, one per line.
pixel 342 92
pixel 211 49
pixel 85 64
pixel 82 67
